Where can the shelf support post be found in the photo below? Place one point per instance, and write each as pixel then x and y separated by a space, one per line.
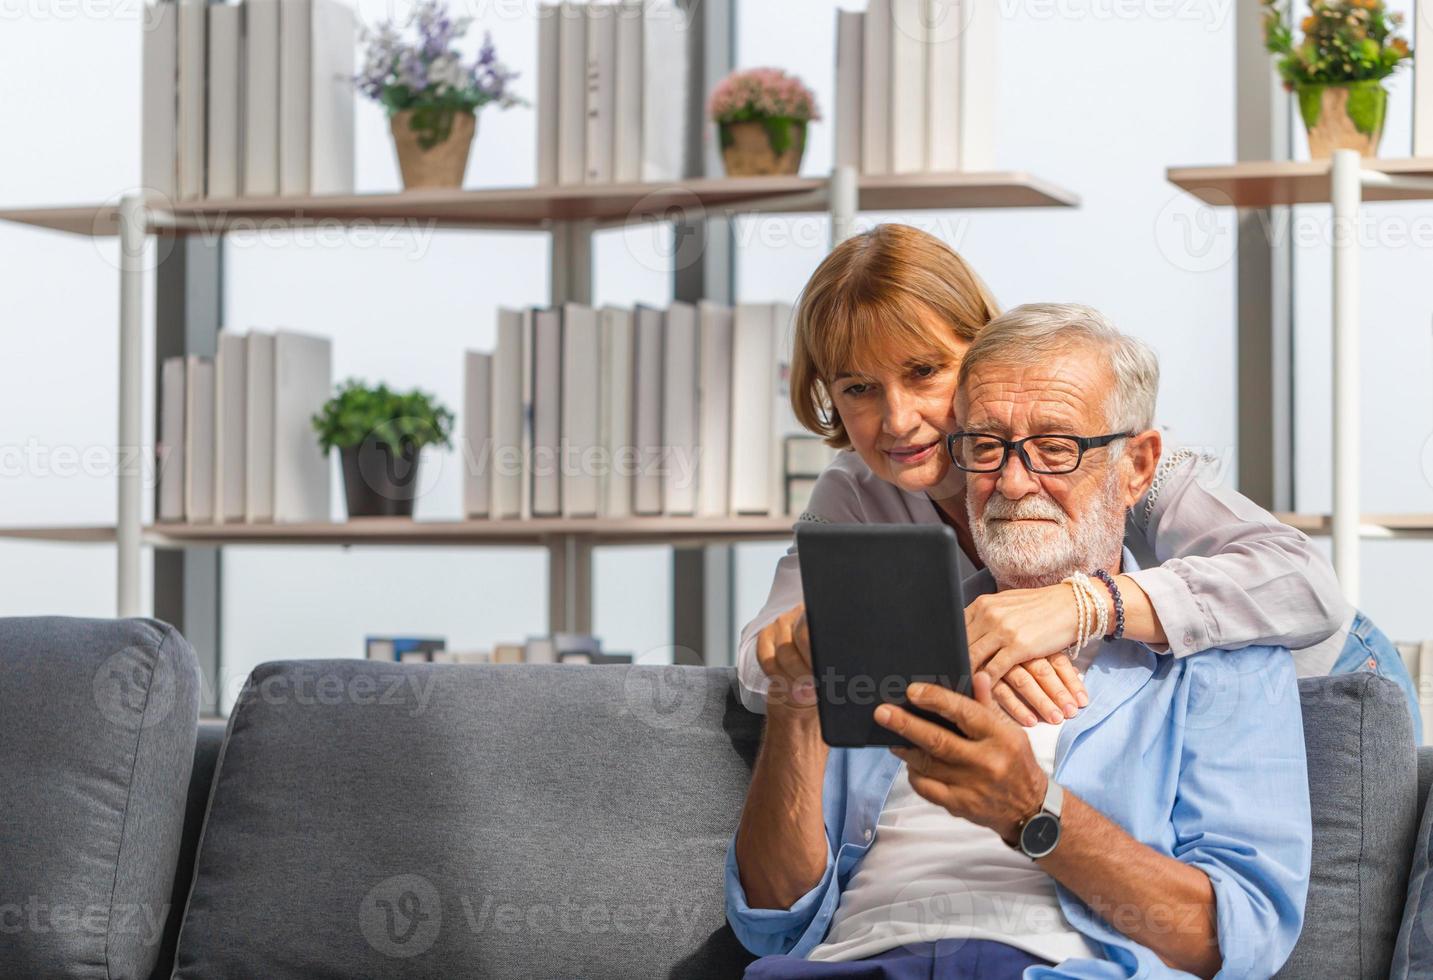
pixel 131 380
pixel 1347 194
pixel 845 203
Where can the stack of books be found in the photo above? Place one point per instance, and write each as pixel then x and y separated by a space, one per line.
pixel 611 92
pixel 251 99
pixel 617 412
pixel 916 86
pixel 236 438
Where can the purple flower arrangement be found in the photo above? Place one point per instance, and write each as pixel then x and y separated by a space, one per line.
pixel 762 93
pixel 427 73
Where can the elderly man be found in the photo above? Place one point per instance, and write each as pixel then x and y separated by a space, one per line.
pixel 1162 831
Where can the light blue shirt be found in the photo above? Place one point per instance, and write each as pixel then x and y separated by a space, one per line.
pixel 1201 758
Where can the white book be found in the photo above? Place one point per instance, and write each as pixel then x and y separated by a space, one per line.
pixel 171 440
pixel 259 429
pixel 507 416
pixel 475 448
pixel 753 386
pixel 876 89
pixel 335 40
pixel 647 411
pixel 979 84
pixel 581 410
pixel 850 28
pixel 546 413
pixel 714 404
pixel 303 381
pixel 664 91
pixel 191 99
pixel 198 439
pixel 571 94
pixel 908 86
pixel 679 411
pixel 615 335
pixel 260 173
pixel 528 326
pixel 1423 85
pixel 627 97
pixel 231 363
pixel 1425 691
pixel 159 148
pixel 942 72
pixel 601 91
pixel 549 59
pixel 295 93
pixel 783 416
pixel 223 159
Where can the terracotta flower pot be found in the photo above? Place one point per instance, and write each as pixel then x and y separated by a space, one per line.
pixel 1343 116
pixel 433 145
pixel 762 147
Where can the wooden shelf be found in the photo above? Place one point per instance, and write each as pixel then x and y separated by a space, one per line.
pixel 400 531
pixel 1265 184
pixel 539 531
pixel 534 207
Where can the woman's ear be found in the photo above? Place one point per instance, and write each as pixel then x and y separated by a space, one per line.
pixel 1141 457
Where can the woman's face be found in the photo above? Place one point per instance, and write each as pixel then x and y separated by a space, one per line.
pixel 897 418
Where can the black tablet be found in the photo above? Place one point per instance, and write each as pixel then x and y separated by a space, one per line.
pixel 884 609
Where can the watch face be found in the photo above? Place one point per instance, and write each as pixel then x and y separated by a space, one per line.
pixel 1040 835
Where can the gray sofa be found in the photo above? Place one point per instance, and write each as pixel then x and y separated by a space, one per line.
pixel 360 819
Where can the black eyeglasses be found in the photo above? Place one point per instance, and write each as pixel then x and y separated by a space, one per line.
pixel 1051 455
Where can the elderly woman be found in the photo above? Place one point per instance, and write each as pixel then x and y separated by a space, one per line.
pixel 880 330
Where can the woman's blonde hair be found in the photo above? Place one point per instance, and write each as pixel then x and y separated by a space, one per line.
pixel 869 303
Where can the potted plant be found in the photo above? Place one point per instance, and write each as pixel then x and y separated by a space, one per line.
pixel 379 434
pixel 761 114
pixel 1349 47
pixel 430 95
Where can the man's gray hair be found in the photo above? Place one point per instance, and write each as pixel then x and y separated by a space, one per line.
pixel 1038 331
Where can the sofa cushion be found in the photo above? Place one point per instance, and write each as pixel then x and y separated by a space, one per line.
pixel 1413 955
pixel 416 820
pixel 1363 781
pixel 97 722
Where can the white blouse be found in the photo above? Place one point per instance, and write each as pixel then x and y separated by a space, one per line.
pixel 1231 574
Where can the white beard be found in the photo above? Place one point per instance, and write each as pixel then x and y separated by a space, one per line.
pixel 1031 556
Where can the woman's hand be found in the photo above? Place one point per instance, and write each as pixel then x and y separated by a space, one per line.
pixel 1018 638
pixel 783 649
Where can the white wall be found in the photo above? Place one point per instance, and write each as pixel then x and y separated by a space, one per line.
pixel 1094 97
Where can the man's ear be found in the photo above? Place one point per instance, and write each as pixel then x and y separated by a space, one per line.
pixel 1141 459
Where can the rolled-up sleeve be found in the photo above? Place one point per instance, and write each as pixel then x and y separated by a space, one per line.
pixel 768 932
pixel 834 500
pixel 1231 574
pixel 1242 811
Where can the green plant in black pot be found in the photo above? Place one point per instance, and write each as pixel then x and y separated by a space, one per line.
pixel 379 434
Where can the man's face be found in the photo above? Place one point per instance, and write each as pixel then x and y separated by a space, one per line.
pixel 1034 529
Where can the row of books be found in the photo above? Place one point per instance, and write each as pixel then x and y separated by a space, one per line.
pixel 611 92
pixel 616 412
pixel 916 86
pixel 251 99
pixel 236 441
pixel 558 648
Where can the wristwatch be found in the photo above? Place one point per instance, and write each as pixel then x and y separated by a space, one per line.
pixel 1038 836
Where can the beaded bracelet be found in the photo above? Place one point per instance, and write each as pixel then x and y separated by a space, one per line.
pixel 1109 581
pixel 1091 614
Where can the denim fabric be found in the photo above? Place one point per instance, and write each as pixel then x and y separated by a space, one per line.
pixel 944 959
pixel 1369 649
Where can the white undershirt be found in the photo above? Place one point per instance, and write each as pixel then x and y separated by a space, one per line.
pixel 929 876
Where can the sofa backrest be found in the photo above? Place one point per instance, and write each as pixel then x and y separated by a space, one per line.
pixel 1363 787
pixel 97 723
pixel 373 819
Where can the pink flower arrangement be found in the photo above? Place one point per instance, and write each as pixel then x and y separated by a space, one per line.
pixel 762 93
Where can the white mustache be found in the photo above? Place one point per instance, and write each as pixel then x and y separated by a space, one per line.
pixel 1024 509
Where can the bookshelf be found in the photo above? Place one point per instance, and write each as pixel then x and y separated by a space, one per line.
pixel 1345 182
